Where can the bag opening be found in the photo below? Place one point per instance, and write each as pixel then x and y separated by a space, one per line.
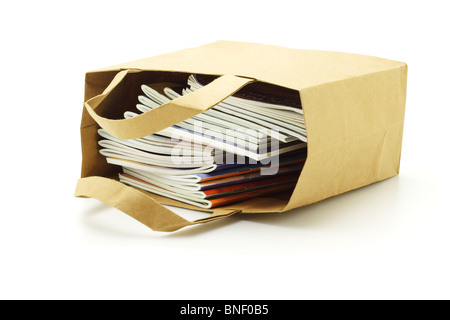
pixel 124 100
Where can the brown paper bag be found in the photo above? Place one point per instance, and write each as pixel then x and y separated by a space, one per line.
pixel 353 107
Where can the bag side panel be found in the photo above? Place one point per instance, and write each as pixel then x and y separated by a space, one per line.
pixel 291 68
pixel 354 129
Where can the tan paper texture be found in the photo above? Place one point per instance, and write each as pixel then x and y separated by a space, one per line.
pixel 353 106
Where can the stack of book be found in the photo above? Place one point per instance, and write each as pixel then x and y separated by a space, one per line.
pixel 242 148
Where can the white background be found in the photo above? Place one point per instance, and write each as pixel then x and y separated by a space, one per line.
pixel 389 240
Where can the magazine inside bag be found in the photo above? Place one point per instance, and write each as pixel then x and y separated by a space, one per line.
pixel 246 152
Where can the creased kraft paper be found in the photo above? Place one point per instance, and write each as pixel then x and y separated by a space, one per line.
pixel 353 106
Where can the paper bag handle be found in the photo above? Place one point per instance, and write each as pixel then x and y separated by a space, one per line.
pixel 139 205
pixel 166 115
